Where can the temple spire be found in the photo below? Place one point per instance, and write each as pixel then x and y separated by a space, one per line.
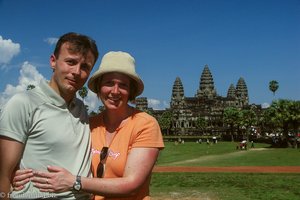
pixel 242 92
pixel 177 93
pixel 231 91
pixel 206 85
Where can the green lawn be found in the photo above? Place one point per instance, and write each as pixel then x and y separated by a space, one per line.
pixel 226 186
pixel 225 154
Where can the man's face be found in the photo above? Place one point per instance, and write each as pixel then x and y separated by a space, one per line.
pixel 71 71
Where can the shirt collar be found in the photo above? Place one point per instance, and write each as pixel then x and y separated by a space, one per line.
pixel 55 98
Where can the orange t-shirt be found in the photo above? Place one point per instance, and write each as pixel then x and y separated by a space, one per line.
pixel 139 130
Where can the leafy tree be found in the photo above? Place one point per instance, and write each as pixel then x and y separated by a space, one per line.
pixel 265 120
pixel 101 108
pixel 273 86
pixel 283 115
pixel 295 120
pixel 295 115
pixel 231 117
pixel 165 121
pixel 83 92
pixel 92 113
pixel 30 87
pixel 248 119
pixel 201 123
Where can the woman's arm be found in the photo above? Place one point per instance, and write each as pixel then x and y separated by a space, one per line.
pixel 138 167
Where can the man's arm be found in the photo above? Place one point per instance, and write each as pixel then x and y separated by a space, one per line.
pixel 10 155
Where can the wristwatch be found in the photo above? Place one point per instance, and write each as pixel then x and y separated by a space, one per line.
pixel 77 184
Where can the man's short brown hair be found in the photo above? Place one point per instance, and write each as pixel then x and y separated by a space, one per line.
pixel 78 44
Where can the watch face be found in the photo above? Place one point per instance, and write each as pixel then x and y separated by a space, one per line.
pixel 77 186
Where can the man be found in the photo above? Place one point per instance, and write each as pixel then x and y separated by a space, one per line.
pixel 48 125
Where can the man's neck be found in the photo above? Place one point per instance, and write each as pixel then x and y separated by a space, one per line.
pixel 67 97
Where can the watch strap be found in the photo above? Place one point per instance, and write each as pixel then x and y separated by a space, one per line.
pixel 77 184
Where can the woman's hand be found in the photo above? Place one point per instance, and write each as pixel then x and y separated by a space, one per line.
pixel 20 178
pixel 56 180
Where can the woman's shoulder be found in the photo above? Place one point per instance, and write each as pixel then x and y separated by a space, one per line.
pixel 143 116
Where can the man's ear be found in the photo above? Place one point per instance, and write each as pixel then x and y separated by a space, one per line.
pixel 52 61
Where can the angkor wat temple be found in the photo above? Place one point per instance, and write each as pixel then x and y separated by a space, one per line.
pixel 206 104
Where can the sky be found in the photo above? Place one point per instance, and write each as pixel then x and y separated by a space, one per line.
pixel 258 40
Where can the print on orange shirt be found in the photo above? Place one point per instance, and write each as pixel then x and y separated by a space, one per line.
pixel 113 155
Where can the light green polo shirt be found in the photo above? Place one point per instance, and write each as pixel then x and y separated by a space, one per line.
pixel 53 133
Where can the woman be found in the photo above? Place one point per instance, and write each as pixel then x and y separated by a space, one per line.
pixel 125 141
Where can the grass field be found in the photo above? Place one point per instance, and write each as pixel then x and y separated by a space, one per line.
pixel 226 186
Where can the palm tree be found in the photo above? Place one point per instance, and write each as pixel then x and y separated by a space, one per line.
pixel 284 115
pixel 273 86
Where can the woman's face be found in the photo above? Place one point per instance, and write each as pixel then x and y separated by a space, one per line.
pixel 114 90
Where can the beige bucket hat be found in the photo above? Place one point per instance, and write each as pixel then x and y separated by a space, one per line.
pixel 117 61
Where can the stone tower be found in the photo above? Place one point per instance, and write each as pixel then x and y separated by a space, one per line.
pixel 242 93
pixel 141 103
pixel 179 112
pixel 177 94
pixel 231 96
pixel 206 104
pixel 206 86
pixel 231 91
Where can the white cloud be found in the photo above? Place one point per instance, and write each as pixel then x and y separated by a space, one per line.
pixel 154 103
pixel 166 104
pixel 157 104
pixel 28 75
pixel 51 41
pixel 8 50
pixel 265 105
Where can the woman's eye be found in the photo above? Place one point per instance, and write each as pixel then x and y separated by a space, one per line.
pixel 123 85
pixel 108 83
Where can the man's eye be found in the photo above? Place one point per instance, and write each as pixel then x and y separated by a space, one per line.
pixel 85 67
pixel 71 62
